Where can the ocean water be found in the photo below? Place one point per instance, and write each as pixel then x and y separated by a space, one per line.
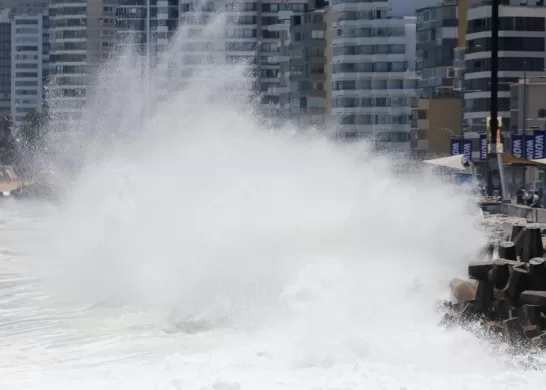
pixel 202 249
pixel 342 322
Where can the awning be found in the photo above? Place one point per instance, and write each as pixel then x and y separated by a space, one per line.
pixel 8 186
pixel 509 159
pixel 453 162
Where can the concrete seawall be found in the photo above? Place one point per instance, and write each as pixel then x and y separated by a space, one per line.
pixel 530 214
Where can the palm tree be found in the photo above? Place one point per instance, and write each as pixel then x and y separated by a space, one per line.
pixel 31 132
pixel 8 146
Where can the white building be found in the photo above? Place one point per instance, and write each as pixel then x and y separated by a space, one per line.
pixel 24 7
pixel 251 35
pixel 135 22
pixel 5 62
pixel 27 59
pixel 522 34
pixel 373 72
pixel 82 33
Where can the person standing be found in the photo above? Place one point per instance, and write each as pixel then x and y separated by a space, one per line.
pixel 535 200
pixel 520 196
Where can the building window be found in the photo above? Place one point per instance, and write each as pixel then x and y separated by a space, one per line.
pixel 317 34
pixel 484 104
pixel 317 52
pixel 317 69
pixel 269 20
pixel 508 24
pixel 506 64
pixel 422 134
pixel 507 44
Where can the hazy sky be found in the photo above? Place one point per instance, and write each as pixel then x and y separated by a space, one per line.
pixel 408 7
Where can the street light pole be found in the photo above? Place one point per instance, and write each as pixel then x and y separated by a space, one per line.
pixel 147 64
pixel 148 16
pixel 524 119
pixel 461 127
pixel 494 160
pixel 494 73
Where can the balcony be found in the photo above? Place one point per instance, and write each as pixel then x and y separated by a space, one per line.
pixel 420 145
pixel 278 90
pixel 481 3
pixel 459 61
pixel 277 59
pixel 279 27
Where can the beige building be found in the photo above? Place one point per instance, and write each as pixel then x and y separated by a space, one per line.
pixel 434 123
pixel 459 64
pixel 300 92
pixel 332 19
pixel 82 35
pixel 534 106
pixel 441 39
pixel 534 88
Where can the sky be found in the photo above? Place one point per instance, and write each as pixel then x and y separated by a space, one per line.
pixel 408 7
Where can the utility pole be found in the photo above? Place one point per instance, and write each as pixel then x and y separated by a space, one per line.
pixel 494 73
pixel 461 117
pixel 147 66
pixel 148 41
pixel 524 119
pixel 494 160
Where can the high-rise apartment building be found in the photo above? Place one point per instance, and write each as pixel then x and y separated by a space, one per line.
pixel 251 35
pixel 24 47
pixel 28 57
pixel 45 56
pixel 438 111
pixel 28 7
pixel 5 62
pixel 149 24
pixel 522 34
pixel 373 73
pixel 459 65
pixel 436 42
pixel 267 60
pixel 82 34
pixel 134 24
pixel 302 87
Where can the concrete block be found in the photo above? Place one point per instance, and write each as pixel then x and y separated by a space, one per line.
pixel 517 283
pixel 537 298
pixel 500 273
pixel 507 250
pixel 480 270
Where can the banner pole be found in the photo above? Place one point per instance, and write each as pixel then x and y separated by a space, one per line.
pixel 496 134
pixel 505 197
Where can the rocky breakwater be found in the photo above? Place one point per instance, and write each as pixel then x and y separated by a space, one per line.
pixel 505 296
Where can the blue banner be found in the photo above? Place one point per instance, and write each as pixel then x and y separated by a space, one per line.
pixel 538 139
pixel 529 147
pixel 455 146
pixel 517 146
pixel 467 149
pixel 483 147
